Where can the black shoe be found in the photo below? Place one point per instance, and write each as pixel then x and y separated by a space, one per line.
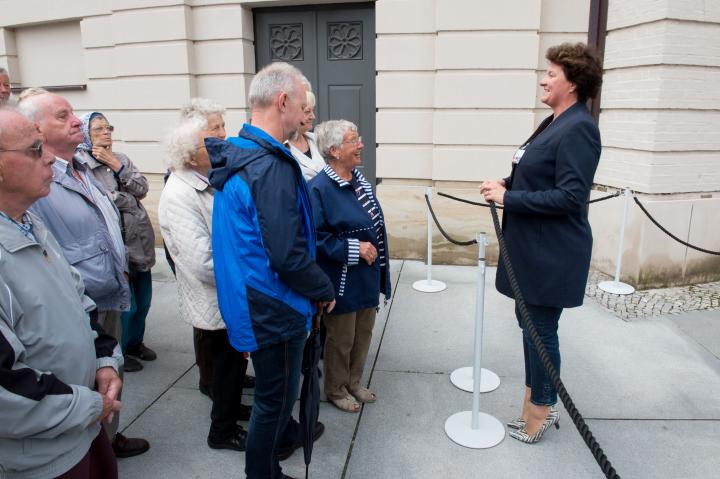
pixel 249 382
pixel 206 390
pixel 129 446
pixel 141 351
pixel 284 452
pixel 132 365
pixel 236 442
pixel 245 412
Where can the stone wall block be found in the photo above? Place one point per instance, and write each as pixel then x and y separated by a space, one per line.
pixel 565 16
pixel 485 89
pixel 418 16
pixel 221 22
pixel 404 126
pixel 469 163
pixel 405 89
pixel 484 50
pixel 404 161
pixel 223 57
pixel 702 267
pixel 481 127
pixel 97 31
pixel 489 15
pixel 156 58
pixel 228 90
pixel 405 52
pixel 151 25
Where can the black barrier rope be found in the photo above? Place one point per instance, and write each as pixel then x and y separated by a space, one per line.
pixel 603 198
pixel 462 200
pixel 528 325
pixel 654 221
pixel 487 205
pixel 437 223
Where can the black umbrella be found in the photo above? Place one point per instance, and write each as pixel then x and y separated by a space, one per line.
pixel 310 391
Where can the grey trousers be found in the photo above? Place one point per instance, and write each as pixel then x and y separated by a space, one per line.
pixel 346 349
pixel 111 322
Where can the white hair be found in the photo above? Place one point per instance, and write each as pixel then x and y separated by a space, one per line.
pixel 182 142
pixel 274 78
pixel 311 102
pixel 331 134
pixel 27 103
pixel 4 72
pixel 203 107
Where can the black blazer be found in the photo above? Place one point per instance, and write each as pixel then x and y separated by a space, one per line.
pixel 545 223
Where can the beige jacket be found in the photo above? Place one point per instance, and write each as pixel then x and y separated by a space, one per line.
pixel 185 215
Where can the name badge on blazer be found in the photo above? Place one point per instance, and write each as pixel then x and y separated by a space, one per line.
pixel 518 155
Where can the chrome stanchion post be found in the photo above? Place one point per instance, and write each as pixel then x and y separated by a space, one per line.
pixel 464 378
pixel 429 285
pixel 475 429
pixel 616 286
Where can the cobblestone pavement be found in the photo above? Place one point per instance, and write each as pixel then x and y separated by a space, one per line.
pixel 654 302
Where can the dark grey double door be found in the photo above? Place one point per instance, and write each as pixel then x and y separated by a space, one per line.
pixel 334 46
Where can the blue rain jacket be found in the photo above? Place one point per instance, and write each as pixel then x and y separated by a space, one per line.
pixel 263 241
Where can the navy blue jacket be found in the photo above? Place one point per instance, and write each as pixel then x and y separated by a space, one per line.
pixel 263 241
pixel 545 221
pixel 341 223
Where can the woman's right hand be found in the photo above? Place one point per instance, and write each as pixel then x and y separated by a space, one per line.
pixel 368 252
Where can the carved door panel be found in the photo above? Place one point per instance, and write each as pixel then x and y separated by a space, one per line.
pixel 334 46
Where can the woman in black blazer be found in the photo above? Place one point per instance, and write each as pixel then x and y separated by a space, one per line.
pixel 545 223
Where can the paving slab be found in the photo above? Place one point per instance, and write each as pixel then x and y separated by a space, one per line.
pixel 648 389
pixel 702 326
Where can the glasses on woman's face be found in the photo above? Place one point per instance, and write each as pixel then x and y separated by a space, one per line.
pixel 354 142
pixel 103 129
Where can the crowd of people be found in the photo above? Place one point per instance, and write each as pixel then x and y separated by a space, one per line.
pixel 73 216
pixel 263 231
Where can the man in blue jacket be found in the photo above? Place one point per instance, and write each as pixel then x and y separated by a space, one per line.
pixel 264 254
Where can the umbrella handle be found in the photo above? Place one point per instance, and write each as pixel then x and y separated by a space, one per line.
pixel 318 317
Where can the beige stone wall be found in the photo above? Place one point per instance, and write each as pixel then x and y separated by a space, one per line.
pixel 660 121
pixel 456 94
pixel 142 60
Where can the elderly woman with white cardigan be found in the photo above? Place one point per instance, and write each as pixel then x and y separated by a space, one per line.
pixel 185 215
pixel 303 145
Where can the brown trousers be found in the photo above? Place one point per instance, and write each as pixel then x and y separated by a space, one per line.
pixel 346 349
pixel 98 463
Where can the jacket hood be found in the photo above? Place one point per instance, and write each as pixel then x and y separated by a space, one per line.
pixel 229 156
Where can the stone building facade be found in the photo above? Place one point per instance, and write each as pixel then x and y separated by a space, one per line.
pixel 456 92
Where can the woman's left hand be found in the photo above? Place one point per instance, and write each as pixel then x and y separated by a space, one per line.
pixel 493 191
pixel 105 156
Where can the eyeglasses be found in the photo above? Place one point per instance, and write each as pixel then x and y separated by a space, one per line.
pixel 355 141
pixel 33 151
pixel 101 129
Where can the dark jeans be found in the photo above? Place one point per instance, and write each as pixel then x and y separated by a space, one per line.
pixel 277 378
pixel 98 463
pixel 133 321
pixel 229 366
pixel 545 319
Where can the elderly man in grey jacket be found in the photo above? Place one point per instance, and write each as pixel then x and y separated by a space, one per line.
pixel 86 224
pixel 58 374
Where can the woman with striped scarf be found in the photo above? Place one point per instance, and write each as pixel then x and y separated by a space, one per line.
pixel 352 250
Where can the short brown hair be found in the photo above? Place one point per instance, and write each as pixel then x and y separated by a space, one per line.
pixel 582 67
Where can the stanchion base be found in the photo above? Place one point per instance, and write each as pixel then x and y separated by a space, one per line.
pixel 489 433
pixel 432 286
pixel 616 287
pixel 462 378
